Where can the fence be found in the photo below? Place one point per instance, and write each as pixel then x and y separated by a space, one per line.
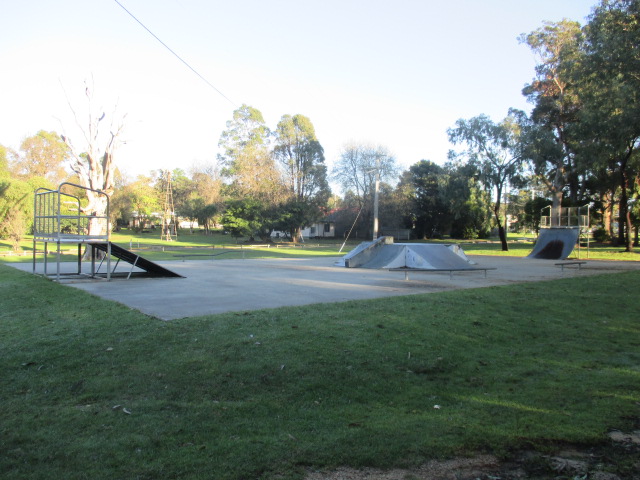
pixel 565 217
pixel 58 218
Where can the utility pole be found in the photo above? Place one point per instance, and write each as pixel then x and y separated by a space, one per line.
pixel 375 199
pixel 169 224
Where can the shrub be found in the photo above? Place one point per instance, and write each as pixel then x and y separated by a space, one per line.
pixel 601 235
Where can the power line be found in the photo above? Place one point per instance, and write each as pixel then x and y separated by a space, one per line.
pixel 176 55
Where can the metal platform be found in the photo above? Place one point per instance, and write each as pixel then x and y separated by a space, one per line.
pixel 59 218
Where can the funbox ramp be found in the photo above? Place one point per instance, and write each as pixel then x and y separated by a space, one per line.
pixel 555 243
pixel 384 254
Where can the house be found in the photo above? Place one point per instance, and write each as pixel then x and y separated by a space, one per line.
pixel 325 228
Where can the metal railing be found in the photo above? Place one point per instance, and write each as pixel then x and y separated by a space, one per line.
pixel 569 217
pixel 565 217
pixel 58 216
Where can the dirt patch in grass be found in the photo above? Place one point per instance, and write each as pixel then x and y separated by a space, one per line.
pixel 456 468
pixel 620 460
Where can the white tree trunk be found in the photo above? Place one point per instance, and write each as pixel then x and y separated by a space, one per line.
pixel 94 164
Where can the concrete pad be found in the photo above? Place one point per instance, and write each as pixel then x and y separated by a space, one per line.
pixel 220 286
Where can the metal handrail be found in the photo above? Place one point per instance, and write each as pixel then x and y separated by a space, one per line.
pixel 55 221
pixel 48 216
pixel 565 217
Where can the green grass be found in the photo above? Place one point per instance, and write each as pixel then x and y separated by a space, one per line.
pixel 151 246
pixel 266 394
pixel 522 249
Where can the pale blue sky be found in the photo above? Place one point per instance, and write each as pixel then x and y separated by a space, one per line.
pixel 395 73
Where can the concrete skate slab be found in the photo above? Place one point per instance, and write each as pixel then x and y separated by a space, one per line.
pixel 219 286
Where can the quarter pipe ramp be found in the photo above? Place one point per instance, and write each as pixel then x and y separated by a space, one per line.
pixel 555 243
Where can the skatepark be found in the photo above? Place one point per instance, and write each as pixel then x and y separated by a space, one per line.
pixel 171 290
pixel 220 286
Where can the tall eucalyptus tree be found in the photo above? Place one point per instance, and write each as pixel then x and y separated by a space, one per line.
pixel 301 158
pixel 556 46
pixel 494 149
pixel 609 79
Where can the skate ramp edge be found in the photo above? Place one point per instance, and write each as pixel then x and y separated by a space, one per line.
pixel 365 252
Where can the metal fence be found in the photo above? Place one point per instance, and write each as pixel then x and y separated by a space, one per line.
pixel 565 217
pixel 58 216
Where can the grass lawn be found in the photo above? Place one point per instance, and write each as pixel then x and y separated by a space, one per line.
pixel 221 246
pixel 152 247
pixel 522 249
pixel 93 389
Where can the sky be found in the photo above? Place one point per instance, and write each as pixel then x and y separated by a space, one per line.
pixel 394 73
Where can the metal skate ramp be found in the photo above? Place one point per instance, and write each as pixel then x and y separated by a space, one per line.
pixel 59 218
pixel 555 243
pixel 384 254
pixel 151 269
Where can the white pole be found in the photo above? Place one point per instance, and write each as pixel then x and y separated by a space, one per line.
pixel 375 200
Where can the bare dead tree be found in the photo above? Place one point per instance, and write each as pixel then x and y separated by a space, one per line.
pixel 94 165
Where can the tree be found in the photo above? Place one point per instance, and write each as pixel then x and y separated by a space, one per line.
pixel 348 218
pixel 302 159
pixel 246 217
pixel 5 155
pixel 246 161
pixel 533 213
pixel 609 79
pixel 207 183
pixel 467 203
pixel 16 207
pixel 94 164
pixel 494 149
pixel 43 155
pixel 247 130
pixel 428 212
pixel 394 207
pixel 205 214
pixel 445 199
pixel 356 171
pixel 137 202
pixel 290 215
pixel 556 105
pixel 206 196
pixel 15 198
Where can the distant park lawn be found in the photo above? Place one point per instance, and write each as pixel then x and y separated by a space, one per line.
pixel 93 389
pixel 219 246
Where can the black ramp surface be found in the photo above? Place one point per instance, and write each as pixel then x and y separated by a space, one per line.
pixel 555 243
pixel 128 256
